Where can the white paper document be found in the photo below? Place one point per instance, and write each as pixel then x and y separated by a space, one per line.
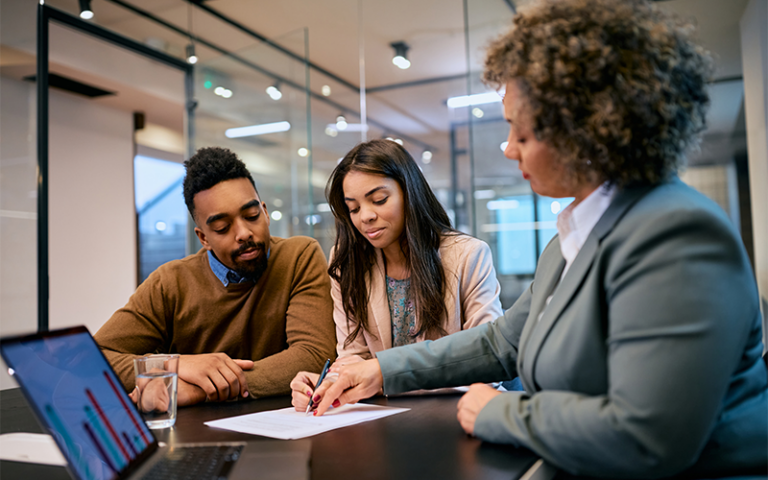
pixel 288 424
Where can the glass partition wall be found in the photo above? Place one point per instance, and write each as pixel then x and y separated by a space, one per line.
pixel 256 103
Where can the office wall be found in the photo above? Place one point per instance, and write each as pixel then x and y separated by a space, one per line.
pixel 754 51
pixel 92 232
pixel 92 227
pixel 18 211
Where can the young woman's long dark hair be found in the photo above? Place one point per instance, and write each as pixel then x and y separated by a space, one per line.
pixel 425 223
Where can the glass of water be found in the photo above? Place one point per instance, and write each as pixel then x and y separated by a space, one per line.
pixel 157 379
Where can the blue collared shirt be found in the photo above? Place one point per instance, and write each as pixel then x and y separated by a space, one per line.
pixel 224 273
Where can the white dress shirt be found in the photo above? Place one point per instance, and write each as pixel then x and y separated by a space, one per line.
pixel 575 223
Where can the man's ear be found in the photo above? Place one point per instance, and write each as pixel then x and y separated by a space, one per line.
pixel 202 238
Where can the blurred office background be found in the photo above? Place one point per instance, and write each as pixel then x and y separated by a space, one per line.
pixel 311 79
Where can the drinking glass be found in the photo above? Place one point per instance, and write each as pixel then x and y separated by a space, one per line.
pixel 157 378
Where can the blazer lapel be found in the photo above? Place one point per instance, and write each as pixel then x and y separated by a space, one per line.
pixel 378 303
pixel 548 273
pixel 566 290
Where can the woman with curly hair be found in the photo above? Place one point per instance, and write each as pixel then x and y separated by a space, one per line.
pixel 639 340
pixel 400 274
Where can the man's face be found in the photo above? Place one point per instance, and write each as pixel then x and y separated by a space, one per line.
pixel 233 223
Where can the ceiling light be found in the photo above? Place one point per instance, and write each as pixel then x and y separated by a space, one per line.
pixel 191 57
pixel 351 127
pixel 303 152
pixel 341 122
pixel 476 99
pixel 326 90
pixel 276 215
pixel 222 92
pixel 401 55
pixel 257 129
pixel 85 10
pixel 426 156
pixel 274 91
pixel 478 112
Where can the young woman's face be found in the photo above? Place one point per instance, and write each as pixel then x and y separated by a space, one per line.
pixel 377 208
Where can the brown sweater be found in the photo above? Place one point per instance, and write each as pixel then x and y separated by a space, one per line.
pixel 284 322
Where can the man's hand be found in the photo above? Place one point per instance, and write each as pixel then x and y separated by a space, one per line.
pixel 220 377
pixel 188 394
pixel 356 381
pixel 471 403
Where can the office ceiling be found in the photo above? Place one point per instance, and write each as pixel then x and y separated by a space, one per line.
pixel 337 31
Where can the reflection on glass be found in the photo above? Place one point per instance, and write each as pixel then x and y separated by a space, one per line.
pixel 524 231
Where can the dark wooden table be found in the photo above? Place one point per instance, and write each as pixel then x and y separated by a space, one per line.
pixel 425 442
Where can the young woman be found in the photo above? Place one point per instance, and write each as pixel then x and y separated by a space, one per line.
pixel 400 273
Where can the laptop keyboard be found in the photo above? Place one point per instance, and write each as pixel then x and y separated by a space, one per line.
pixel 198 463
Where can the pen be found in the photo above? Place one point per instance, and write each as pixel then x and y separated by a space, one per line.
pixel 319 381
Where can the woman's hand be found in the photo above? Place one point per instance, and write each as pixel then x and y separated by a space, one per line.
pixel 348 360
pixel 356 381
pixel 302 386
pixel 471 403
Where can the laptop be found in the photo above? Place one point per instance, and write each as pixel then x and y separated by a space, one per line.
pixel 79 400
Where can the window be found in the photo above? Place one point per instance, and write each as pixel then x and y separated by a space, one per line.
pixel 161 213
pixel 524 231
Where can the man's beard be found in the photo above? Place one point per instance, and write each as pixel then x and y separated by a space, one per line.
pixel 252 269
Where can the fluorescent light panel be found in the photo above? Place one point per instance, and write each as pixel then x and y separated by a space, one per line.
pixel 257 129
pixel 351 127
pixel 476 99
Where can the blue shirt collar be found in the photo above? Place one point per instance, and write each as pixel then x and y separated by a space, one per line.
pixel 224 273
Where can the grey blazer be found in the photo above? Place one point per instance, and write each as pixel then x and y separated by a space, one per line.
pixel 647 360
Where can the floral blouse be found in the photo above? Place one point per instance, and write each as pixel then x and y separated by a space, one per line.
pixel 402 311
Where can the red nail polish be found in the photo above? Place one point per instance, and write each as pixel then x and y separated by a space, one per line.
pixel 314 414
pixel 336 404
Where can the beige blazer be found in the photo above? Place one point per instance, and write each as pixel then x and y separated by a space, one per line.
pixel 471 298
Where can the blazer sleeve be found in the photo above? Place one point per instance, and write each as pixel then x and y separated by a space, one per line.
pixel 678 297
pixel 358 346
pixel 480 289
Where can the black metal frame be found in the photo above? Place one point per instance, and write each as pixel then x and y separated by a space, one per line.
pixel 45 15
pixel 283 80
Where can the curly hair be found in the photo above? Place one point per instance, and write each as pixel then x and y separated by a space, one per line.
pixel 425 223
pixel 617 87
pixel 208 167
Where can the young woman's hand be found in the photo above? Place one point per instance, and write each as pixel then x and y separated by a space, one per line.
pixel 356 381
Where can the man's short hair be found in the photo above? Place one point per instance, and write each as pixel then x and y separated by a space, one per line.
pixel 207 168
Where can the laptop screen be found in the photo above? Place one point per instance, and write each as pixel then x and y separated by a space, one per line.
pixel 77 396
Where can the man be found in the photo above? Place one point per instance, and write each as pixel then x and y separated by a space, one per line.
pixel 246 312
